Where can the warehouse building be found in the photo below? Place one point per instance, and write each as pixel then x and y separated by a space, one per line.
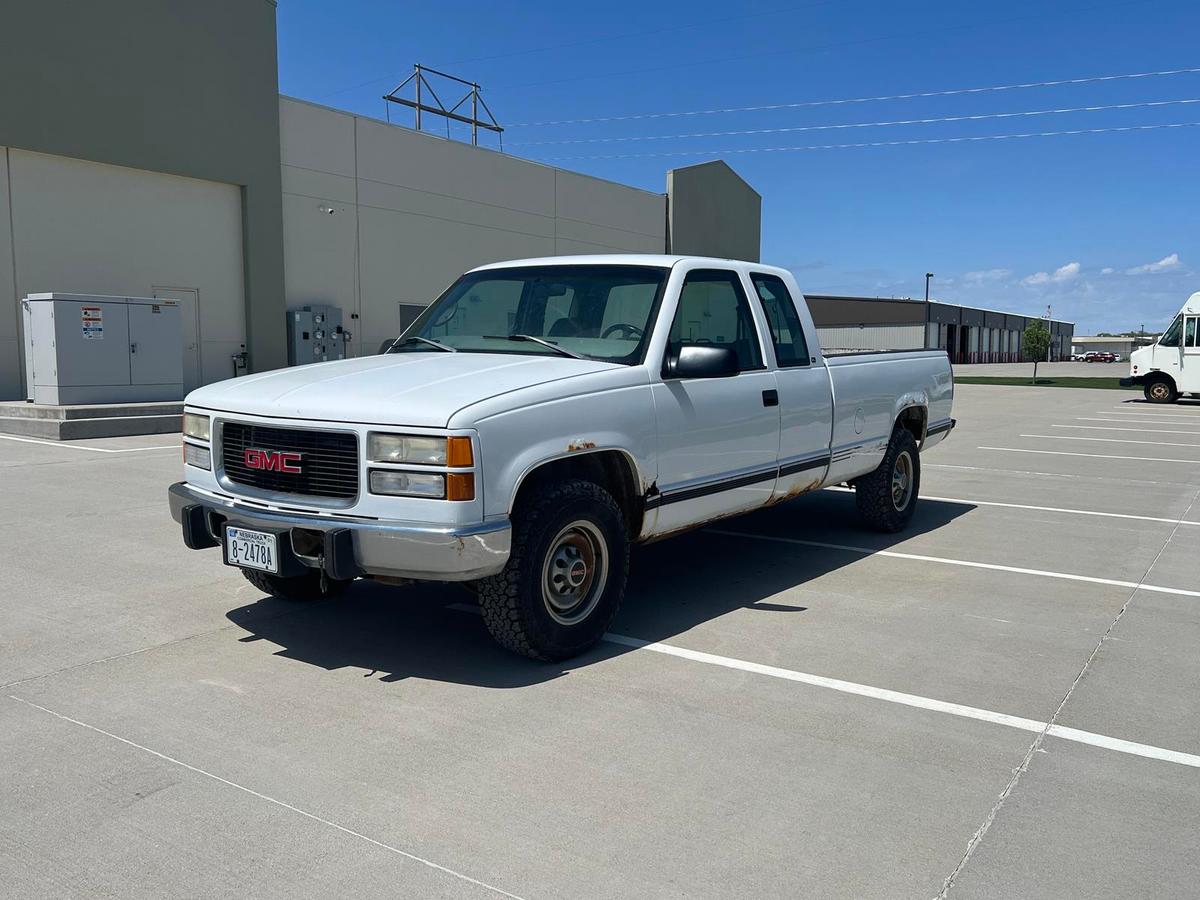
pixel 155 158
pixel 967 334
pixel 1122 345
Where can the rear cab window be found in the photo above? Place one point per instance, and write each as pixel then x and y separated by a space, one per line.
pixel 787 333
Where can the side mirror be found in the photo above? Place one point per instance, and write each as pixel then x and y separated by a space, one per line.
pixel 703 361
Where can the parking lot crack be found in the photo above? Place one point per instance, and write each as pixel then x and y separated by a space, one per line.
pixel 1020 770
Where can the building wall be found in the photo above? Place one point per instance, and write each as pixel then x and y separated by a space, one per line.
pixel 411 211
pixel 871 337
pixel 185 89
pixel 161 233
pixel 713 212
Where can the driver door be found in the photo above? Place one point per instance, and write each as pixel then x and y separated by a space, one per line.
pixel 1189 376
pixel 718 438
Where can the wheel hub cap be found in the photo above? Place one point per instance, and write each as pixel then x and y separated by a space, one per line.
pixel 902 479
pixel 575 572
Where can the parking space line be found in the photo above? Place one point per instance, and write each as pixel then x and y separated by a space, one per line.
pixel 253 793
pixel 965 563
pixel 1154 411
pixel 1135 430
pixel 1057 509
pixel 1155 415
pixel 1067 437
pixel 1192 462
pixel 1134 422
pixel 66 446
pixel 899 697
pixel 941 706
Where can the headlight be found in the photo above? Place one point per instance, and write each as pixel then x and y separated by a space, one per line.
pixel 417 449
pixel 195 455
pixel 408 484
pixel 196 426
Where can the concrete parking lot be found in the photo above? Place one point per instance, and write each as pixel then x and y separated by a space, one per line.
pixel 1001 702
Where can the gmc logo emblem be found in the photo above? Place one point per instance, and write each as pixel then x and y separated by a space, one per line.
pixel 272 460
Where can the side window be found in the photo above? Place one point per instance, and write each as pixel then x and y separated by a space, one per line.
pixel 1171 338
pixel 713 309
pixel 787 334
pixel 1189 331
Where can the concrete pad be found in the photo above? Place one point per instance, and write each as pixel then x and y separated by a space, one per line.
pixel 625 773
pixel 1085 822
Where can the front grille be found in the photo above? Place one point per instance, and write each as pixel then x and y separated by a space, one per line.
pixel 328 459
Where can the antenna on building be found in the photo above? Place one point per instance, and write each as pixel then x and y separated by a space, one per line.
pixel 421 84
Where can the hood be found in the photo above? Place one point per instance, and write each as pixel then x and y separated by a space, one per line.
pixel 423 389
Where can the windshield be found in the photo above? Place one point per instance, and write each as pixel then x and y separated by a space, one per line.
pixel 1171 337
pixel 599 312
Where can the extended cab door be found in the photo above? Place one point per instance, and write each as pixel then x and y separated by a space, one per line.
pixel 805 396
pixel 718 437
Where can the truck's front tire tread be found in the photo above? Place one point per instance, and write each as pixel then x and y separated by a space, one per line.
pixel 873 493
pixel 511 601
pixel 297 588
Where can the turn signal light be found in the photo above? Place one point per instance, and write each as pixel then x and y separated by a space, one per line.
pixel 460 485
pixel 459 455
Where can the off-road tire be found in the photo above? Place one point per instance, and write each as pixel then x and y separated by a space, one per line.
pixel 512 602
pixel 297 588
pixel 1160 390
pixel 876 504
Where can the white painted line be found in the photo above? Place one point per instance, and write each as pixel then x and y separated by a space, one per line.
pixel 73 446
pixel 1026 472
pixel 913 700
pixel 1133 422
pixel 1151 409
pixel 1055 509
pixel 888 696
pixel 1155 415
pixel 1136 430
pixel 1191 462
pixel 287 806
pixel 70 446
pixel 966 563
pixel 1068 437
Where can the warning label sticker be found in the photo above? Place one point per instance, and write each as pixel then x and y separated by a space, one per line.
pixel 92 318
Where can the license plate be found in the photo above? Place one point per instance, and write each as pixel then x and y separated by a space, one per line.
pixel 251 549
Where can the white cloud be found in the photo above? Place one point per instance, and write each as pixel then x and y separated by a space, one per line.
pixel 1166 264
pixel 1061 274
pixel 987 275
pixel 1107 270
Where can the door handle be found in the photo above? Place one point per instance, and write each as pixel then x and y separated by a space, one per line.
pixel 771 398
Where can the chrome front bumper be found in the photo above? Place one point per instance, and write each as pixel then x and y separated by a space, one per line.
pixel 366 546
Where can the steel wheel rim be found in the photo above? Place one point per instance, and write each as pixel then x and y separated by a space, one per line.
pixel 575 572
pixel 1158 390
pixel 902 481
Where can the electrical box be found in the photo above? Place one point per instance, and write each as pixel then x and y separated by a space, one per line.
pixel 315 334
pixel 88 348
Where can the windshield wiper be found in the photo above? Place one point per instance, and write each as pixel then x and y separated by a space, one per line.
pixel 432 343
pixel 534 340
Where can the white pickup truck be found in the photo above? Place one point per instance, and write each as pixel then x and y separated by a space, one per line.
pixel 539 418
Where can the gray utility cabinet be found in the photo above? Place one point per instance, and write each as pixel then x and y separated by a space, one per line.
pixel 315 334
pixel 85 348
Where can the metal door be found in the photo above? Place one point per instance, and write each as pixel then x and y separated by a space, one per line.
pixel 155 340
pixel 1189 375
pixel 189 316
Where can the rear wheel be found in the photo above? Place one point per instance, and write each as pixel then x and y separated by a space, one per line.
pixel 304 587
pixel 565 576
pixel 1160 390
pixel 888 496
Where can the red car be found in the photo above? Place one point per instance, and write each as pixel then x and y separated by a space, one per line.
pixel 1100 356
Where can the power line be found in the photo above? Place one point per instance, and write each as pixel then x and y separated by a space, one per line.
pixel 848 100
pixel 950 140
pixel 794 128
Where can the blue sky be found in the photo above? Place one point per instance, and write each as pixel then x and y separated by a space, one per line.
pixel 1104 227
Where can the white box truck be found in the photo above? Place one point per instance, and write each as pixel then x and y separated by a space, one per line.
pixel 1171 367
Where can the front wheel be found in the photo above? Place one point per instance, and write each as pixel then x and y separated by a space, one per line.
pixel 888 496
pixel 1160 390
pixel 565 577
